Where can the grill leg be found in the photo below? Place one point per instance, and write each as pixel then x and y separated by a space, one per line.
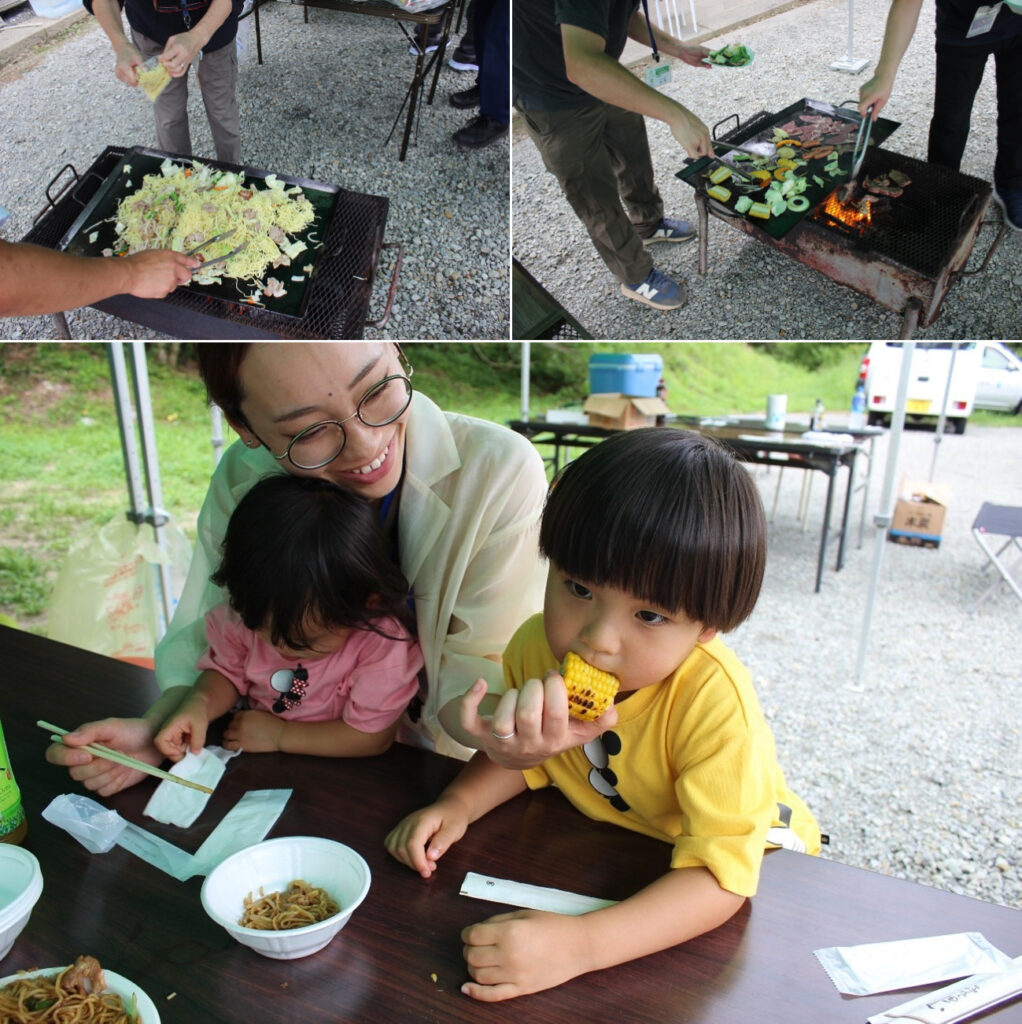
pixel 704 228
pixel 60 323
pixel 910 321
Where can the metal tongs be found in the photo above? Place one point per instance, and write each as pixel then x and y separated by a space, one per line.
pixel 858 155
pixel 221 259
pixel 210 241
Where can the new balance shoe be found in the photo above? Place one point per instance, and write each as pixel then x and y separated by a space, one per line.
pixel 672 231
pixel 1010 201
pixel 464 58
pixel 658 291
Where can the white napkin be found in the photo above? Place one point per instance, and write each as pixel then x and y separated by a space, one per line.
pixel 174 804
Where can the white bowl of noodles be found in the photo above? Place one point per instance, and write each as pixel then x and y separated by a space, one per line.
pixel 21 883
pixel 138 1005
pixel 252 885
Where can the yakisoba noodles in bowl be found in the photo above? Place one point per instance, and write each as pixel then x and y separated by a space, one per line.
pixel 82 993
pixel 298 905
pixel 293 870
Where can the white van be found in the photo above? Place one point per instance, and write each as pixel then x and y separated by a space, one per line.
pixel 1000 379
pixel 931 367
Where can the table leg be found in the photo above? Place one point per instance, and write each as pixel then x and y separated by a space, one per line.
pixel 831 474
pixel 846 515
pixel 438 57
pixel 60 323
pixel 259 37
pixel 704 228
pixel 413 91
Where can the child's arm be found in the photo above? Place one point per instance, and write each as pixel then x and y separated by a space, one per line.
pixel 260 732
pixel 212 696
pixel 527 951
pixel 422 838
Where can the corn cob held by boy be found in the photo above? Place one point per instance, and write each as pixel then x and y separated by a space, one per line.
pixel 591 691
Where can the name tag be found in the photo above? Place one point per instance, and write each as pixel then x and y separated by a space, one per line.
pixel 660 74
pixel 984 20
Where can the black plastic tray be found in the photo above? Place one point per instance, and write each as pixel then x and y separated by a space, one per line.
pixel 760 129
pixel 99 215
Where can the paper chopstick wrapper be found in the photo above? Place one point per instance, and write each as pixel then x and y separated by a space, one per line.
pixel 887 966
pixel 531 897
pixel 176 805
pixel 958 1001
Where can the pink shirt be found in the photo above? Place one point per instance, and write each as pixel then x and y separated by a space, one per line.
pixel 368 682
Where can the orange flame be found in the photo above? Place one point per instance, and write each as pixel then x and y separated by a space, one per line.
pixel 848 213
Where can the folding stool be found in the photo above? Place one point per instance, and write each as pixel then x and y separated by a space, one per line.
pixel 999 521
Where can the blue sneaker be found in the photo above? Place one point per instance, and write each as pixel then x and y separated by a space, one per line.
pixel 658 291
pixel 672 231
pixel 1010 201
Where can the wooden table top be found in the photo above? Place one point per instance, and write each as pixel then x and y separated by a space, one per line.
pixel 399 958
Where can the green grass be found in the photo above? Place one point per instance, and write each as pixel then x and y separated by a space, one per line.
pixel 62 471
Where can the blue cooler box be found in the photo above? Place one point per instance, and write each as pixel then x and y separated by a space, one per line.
pixel 614 373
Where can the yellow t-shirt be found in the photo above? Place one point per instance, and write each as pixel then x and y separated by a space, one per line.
pixel 691 761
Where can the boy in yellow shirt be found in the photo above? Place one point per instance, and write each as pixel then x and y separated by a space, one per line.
pixel 656 541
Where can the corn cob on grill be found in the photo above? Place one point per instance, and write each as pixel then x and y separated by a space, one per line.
pixel 590 690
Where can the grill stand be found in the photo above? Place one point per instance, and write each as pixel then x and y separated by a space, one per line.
pixel 916 297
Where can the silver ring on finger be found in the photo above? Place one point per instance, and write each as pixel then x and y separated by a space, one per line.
pixel 498 736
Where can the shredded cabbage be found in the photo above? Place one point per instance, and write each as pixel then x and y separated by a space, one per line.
pixel 182 206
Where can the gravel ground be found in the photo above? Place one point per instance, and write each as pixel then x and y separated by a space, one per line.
pixel 319 107
pixel 918 773
pixel 750 290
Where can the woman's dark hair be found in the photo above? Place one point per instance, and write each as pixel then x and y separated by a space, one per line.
pixel 667 515
pixel 220 369
pixel 298 548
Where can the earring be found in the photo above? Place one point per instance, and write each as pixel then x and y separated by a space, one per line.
pixel 251 444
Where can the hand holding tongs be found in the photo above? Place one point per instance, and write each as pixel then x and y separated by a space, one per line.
pixel 858 155
pixel 210 241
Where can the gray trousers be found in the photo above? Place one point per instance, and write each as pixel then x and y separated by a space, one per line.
pixel 600 156
pixel 217 73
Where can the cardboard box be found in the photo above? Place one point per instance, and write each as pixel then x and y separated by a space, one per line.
pixel 617 373
pixel 919 513
pixel 623 412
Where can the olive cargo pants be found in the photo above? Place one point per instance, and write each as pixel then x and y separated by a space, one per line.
pixel 600 156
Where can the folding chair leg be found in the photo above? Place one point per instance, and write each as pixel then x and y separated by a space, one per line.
pixel 995 559
pixel 777 494
pixel 803 499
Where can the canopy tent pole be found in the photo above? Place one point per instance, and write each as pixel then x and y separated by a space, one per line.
pixel 526 355
pixel 140 512
pixel 848 63
pixel 942 418
pixel 882 520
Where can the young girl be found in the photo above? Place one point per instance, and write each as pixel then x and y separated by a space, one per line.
pixel 656 541
pixel 316 636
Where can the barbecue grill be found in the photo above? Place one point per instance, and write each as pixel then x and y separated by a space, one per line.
pixel 909 253
pixel 335 305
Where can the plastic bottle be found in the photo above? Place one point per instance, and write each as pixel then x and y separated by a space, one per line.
pixel 857 417
pixel 13 825
pixel 817 422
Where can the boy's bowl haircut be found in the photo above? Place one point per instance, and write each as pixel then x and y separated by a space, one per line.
pixel 665 514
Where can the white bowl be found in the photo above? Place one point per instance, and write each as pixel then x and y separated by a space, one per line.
pixel 272 866
pixel 145 1008
pixel 21 882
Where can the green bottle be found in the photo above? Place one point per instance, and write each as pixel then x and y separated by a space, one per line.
pixel 13 825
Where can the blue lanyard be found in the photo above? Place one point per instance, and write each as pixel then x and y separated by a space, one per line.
pixel 188 18
pixel 652 38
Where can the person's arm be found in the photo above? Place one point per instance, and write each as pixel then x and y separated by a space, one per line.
pixel 212 696
pixel 422 838
pixel 126 55
pixel 901 25
pixel 666 43
pixel 593 70
pixel 260 732
pixel 527 950
pixel 34 279
pixel 182 49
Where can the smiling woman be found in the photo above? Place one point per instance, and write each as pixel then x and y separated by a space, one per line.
pixel 459 500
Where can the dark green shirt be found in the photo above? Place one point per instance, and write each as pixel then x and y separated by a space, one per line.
pixel 540 81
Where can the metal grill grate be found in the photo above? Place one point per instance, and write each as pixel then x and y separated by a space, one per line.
pixel 339 297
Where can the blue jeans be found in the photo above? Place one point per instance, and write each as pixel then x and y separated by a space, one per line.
pixel 959 72
pixel 492 33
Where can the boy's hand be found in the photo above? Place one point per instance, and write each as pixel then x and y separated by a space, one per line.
pixel 534 720
pixel 258 732
pixel 525 951
pixel 422 838
pixel 185 731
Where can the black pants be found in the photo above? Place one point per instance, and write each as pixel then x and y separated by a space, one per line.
pixel 959 72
